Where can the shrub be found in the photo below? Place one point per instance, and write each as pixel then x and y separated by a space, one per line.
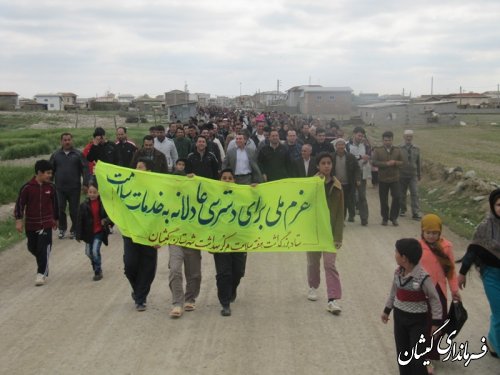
pixel 19 151
pixel 11 180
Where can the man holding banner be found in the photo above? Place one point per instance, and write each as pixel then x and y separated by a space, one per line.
pixel 199 213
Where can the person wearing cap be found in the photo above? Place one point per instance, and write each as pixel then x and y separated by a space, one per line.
pixel 361 150
pixel 484 252
pixel 439 262
pixel 346 169
pixel 409 175
pixel 388 160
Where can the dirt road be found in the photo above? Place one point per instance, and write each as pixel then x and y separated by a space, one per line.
pixel 74 325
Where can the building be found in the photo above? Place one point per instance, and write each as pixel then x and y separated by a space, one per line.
pixel 470 99
pixel 125 98
pixel 202 99
pixel 294 94
pixel 182 112
pixel 69 100
pixel 494 98
pixel 407 114
pixel 269 98
pixel 176 97
pixel 8 101
pixel 52 102
pixel 326 101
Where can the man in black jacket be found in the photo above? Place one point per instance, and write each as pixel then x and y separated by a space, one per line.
pixel 70 168
pixel 101 149
pixel 124 149
pixel 202 162
pixel 347 171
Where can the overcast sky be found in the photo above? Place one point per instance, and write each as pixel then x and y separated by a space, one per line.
pixel 222 46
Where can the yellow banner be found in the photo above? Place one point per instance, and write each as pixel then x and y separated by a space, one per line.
pixel 216 216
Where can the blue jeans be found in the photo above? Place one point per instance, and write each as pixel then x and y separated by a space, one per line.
pixel 491 282
pixel 93 251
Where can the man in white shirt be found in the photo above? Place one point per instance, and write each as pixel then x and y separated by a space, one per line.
pixel 242 161
pixel 167 147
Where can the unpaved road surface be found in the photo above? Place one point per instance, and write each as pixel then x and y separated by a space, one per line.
pixel 74 325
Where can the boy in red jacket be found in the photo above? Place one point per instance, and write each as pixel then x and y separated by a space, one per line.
pixel 37 204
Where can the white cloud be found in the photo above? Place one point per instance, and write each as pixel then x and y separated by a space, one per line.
pixel 155 46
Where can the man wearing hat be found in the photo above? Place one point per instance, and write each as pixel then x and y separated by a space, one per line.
pixel 409 175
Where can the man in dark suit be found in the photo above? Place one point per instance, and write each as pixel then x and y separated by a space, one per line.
pixel 242 161
pixel 306 165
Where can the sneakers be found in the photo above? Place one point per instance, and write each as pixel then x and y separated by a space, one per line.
pixel 312 295
pixel 395 223
pixel 384 223
pixel 402 213
pixel 140 307
pixel 61 234
pixel 72 235
pixel 333 307
pixel 350 219
pixel 416 217
pixel 97 276
pixel 40 279
pixel 226 311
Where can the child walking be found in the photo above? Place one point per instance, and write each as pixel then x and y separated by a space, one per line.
pixel 335 201
pixel 37 204
pixel 411 293
pixel 93 228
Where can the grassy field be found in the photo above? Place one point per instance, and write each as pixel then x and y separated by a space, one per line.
pixel 471 147
pixel 11 179
pixel 26 134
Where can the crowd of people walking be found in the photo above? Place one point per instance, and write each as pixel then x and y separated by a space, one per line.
pixel 249 148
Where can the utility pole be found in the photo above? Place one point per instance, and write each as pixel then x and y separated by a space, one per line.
pixel 432 85
pixel 460 95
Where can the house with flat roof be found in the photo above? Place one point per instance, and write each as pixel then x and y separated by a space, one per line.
pixel 8 101
pixel 51 102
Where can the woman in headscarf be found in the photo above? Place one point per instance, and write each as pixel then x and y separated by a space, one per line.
pixel 439 262
pixel 484 252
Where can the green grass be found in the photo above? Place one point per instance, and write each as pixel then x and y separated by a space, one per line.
pixel 471 147
pixel 11 180
pixel 459 212
pixel 8 234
